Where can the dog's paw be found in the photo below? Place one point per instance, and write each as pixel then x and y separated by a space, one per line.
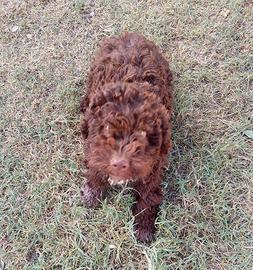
pixel 90 197
pixel 144 235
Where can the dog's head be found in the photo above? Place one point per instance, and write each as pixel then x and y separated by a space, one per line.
pixel 128 131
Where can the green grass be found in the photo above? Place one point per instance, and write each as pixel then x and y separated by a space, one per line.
pixel 206 219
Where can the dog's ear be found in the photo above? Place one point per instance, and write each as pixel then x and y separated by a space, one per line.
pixel 84 127
pixel 96 101
pixel 84 104
pixel 88 108
pixel 166 134
pixel 84 121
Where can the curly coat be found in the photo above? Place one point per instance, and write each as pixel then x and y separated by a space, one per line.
pixel 126 124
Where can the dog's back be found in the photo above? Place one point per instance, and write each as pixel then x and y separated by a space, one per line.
pixel 131 58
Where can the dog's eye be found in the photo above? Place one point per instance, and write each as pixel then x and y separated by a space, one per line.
pixel 117 137
pixel 129 80
pixel 154 139
pixel 151 79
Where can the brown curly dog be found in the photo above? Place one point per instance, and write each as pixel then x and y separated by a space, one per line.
pixel 126 125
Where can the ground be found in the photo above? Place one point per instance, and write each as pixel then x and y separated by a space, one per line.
pixel 205 221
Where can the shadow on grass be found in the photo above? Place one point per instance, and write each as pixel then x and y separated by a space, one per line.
pixel 179 159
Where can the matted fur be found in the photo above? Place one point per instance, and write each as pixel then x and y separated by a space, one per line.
pixel 126 124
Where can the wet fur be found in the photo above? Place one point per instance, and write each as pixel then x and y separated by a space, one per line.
pixel 127 109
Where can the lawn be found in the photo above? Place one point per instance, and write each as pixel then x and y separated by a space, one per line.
pixel 206 219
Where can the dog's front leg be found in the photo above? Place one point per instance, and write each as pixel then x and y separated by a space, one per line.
pixel 145 210
pixel 93 190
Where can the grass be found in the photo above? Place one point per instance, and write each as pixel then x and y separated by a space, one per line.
pixel 206 219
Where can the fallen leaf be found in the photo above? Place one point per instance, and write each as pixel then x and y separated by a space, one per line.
pixel 248 133
pixel 225 13
pixel 2 265
pixel 14 28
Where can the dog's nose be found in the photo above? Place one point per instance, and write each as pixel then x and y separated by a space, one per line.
pixel 120 164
